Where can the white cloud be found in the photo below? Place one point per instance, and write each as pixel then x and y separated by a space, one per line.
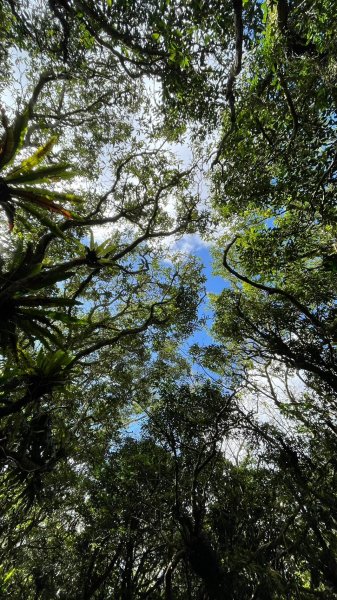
pixel 189 243
pixel 267 387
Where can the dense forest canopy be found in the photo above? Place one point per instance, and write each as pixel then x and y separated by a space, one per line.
pixel 144 451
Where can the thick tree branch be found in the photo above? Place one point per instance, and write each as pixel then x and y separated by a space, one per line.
pixel 269 289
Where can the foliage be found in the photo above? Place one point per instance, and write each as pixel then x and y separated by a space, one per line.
pixel 126 473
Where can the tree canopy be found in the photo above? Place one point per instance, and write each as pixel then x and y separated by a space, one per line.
pixel 158 440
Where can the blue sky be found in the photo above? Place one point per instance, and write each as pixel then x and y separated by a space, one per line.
pixel 214 285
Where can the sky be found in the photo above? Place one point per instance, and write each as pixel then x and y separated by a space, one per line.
pixel 190 243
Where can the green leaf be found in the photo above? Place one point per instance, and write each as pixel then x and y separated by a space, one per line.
pixel 184 62
pixel 41 175
pixel 35 159
pixel 9 575
pixel 14 138
pixel 52 362
pixel 44 220
pixel 43 334
pixel 106 248
pixel 45 279
pixel 264 8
